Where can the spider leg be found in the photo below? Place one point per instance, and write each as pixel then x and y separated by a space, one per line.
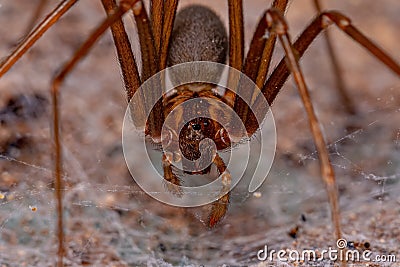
pixel 281 72
pixel 256 67
pixel 236 34
pixel 36 33
pixel 278 24
pixel 147 48
pixel 170 8
pixel 150 44
pixel 157 20
pixel 261 49
pixel 36 14
pixel 290 63
pixel 126 59
pixel 174 182
pixel 55 91
pixel 150 67
pixel 220 206
pixel 154 53
pixel 337 71
pixel 236 44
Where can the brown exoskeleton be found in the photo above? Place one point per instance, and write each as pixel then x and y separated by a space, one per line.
pixel 190 42
pixel 204 40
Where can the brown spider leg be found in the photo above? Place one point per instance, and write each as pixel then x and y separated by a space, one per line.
pixel 149 68
pixel 36 33
pixel 260 52
pixel 163 17
pixel 236 34
pixel 277 24
pixel 38 11
pixel 337 71
pixel 55 90
pixel 129 67
pixel 281 72
pixel 157 20
pixel 174 185
pixel 147 48
pixel 236 45
pixel 220 206
pixel 170 8
pixel 256 67
pixel 126 59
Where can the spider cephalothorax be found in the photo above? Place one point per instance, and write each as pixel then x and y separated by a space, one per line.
pixel 189 136
pixel 194 133
pixel 199 35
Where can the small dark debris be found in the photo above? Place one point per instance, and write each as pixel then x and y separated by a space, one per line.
pixel 121 212
pixel 22 107
pixel 293 232
pixel 114 150
pixel 351 128
pixel 342 189
pixel 162 247
pixel 13 146
pixel 358 245
pixel 293 159
pixel 303 218
pixel 381 196
pixel 85 259
pixel 350 245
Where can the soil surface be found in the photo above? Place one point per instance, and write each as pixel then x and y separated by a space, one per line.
pixel 110 221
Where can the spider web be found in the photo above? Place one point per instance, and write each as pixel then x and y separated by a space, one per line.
pixel 110 221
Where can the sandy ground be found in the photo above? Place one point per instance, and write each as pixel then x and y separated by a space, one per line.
pixel 111 222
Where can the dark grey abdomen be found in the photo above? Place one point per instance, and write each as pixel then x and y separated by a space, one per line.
pixel 198 35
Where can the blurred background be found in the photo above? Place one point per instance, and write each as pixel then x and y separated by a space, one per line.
pixel 109 221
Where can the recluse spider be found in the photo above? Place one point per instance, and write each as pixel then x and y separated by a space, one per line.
pixel 197 27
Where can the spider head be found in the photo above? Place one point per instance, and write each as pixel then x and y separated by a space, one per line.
pixel 193 135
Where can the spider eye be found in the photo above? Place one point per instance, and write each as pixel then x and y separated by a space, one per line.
pixel 196 127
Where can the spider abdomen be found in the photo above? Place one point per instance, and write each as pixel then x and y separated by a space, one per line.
pixel 198 35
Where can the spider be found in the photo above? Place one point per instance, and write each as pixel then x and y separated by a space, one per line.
pixel 160 46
